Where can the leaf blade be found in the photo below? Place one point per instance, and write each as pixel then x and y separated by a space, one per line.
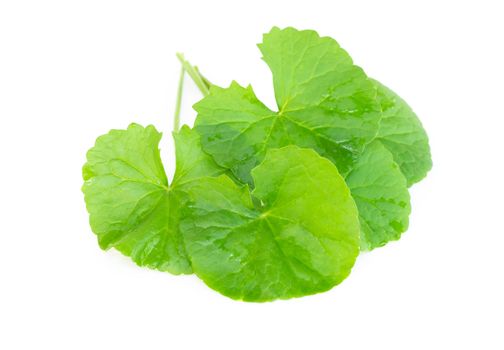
pixel 331 107
pixel 381 194
pixel 402 133
pixel 280 250
pixel 132 208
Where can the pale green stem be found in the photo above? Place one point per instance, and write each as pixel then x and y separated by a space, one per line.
pixel 205 80
pixel 201 83
pixel 176 119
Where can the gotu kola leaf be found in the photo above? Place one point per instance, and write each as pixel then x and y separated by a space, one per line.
pixel 298 233
pixel 325 103
pixel 402 133
pixel 131 205
pixel 380 192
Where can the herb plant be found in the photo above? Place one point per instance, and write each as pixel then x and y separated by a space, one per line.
pixel 265 204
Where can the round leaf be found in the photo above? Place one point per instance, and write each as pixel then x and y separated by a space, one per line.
pixel 298 233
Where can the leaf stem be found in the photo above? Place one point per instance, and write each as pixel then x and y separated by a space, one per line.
pixel 176 119
pixel 202 84
pixel 205 80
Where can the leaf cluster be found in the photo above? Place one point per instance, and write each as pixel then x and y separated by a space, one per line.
pixel 265 204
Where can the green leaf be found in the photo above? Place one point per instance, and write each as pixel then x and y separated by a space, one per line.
pixel 301 237
pixel 381 194
pixel 132 208
pixel 324 102
pixel 401 132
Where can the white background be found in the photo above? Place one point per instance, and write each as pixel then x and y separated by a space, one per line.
pixel 72 70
